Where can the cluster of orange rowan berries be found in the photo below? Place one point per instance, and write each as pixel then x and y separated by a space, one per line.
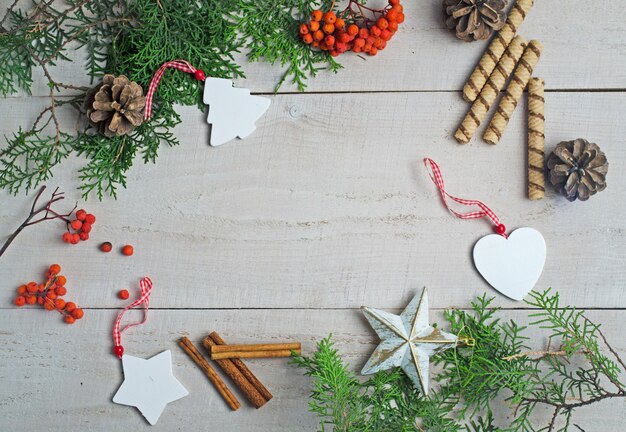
pixel 49 295
pixel 331 33
pixel 82 227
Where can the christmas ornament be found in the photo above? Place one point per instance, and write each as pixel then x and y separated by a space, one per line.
pixel 232 111
pixel 578 169
pixel 148 385
pixel 115 106
pixel 357 28
pixel 474 19
pixel 407 341
pixel 510 264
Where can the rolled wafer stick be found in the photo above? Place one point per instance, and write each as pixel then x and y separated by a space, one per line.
pixel 251 354
pixel 490 91
pixel 243 368
pixel 514 91
pixel 215 379
pixel 255 347
pixel 246 387
pixel 536 139
pixel 496 48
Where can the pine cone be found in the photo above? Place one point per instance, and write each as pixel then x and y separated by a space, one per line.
pixel 474 19
pixel 578 169
pixel 115 106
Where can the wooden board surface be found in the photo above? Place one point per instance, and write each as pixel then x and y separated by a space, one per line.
pixel 325 208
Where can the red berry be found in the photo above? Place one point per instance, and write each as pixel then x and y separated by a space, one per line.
pixel 70 306
pixel 67 237
pixel 123 294
pixel 20 301
pixel 84 236
pixel 382 23
pixel 81 214
pixel 86 227
pixel 31 299
pixel 394 2
pixel 77 313
pixel 75 238
pixel 364 33
pixel 90 219
pixel 69 319
pixel 61 291
pixel 54 269
pixel 76 224
pixel 106 247
pixel 128 250
pixel 199 75
pixel 330 40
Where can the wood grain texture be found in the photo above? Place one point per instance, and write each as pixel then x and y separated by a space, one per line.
pixel 585 51
pixel 63 378
pixel 324 208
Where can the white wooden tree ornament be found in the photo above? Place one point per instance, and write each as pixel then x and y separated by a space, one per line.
pixel 232 111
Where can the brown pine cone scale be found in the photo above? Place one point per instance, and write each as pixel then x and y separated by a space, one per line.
pixel 474 19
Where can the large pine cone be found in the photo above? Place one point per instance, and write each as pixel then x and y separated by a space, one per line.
pixel 474 19
pixel 578 169
pixel 115 106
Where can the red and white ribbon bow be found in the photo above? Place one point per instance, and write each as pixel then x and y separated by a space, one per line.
pixel 181 65
pixel 437 177
pixel 145 286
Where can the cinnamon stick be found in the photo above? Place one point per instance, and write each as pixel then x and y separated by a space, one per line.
pixel 243 368
pixel 215 379
pixel 250 354
pixel 255 347
pixel 246 387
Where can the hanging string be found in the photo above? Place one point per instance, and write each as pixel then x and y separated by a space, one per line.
pixel 437 177
pixel 145 287
pixel 181 65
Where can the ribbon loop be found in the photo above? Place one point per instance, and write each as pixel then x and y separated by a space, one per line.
pixel 145 287
pixel 437 177
pixel 181 65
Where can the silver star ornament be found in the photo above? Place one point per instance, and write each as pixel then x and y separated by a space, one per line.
pixel 407 341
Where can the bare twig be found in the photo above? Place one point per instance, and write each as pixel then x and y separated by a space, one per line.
pixel 45 212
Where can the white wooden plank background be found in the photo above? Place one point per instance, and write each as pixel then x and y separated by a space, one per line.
pixel 325 208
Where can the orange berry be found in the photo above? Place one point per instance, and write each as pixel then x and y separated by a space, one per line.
pixel 375 30
pixel 340 23
pixel 21 290
pixel 378 42
pixel 344 37
pixel 40 300
pixel 69 319
pixel 55 269
pixel 316 15
pixel 20 301
pixel 393 26
pixel 398 8
pixel 59 304
pixel 328 28
pixel 31 299
pixel 330 40
pixel 400 19
pixel 48 305
pixel 61 291
pixel 106 247
pixel 341 47
pixel 70 306
pixel 61 280
pixel 314 26
pixel 32 287
pixel 315 44
pixel 304 29
pixel 41 288
pixel 323 46
pixel 334 53
pixel 330 17
pixel 367 47
pixel 353 29
pixel 51 295
pixel 382 23
pixel 392 15
pixel 77 313
pixel 307 38
pixel 123 294
pixel 373 51
pixel 128 250
pixel 394 2
pixel 318 35
pixel 359 43
pixel 364 33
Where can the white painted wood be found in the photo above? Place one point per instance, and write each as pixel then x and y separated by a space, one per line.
pixel 329 205
pixel 585 47
pixel 57 377
pixel 511 265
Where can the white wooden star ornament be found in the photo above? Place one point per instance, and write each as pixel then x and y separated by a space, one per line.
pixel 149 385
pixel 407 341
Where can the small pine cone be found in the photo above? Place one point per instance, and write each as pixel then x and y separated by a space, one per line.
pixel 474 19
pixel 577 169
pixel 115 106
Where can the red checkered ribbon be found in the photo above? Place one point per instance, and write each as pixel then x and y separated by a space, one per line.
pixel 437 177
pixel 181 65
pixel 145 286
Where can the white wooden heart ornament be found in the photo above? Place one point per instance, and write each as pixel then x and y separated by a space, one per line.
pixel 512 266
